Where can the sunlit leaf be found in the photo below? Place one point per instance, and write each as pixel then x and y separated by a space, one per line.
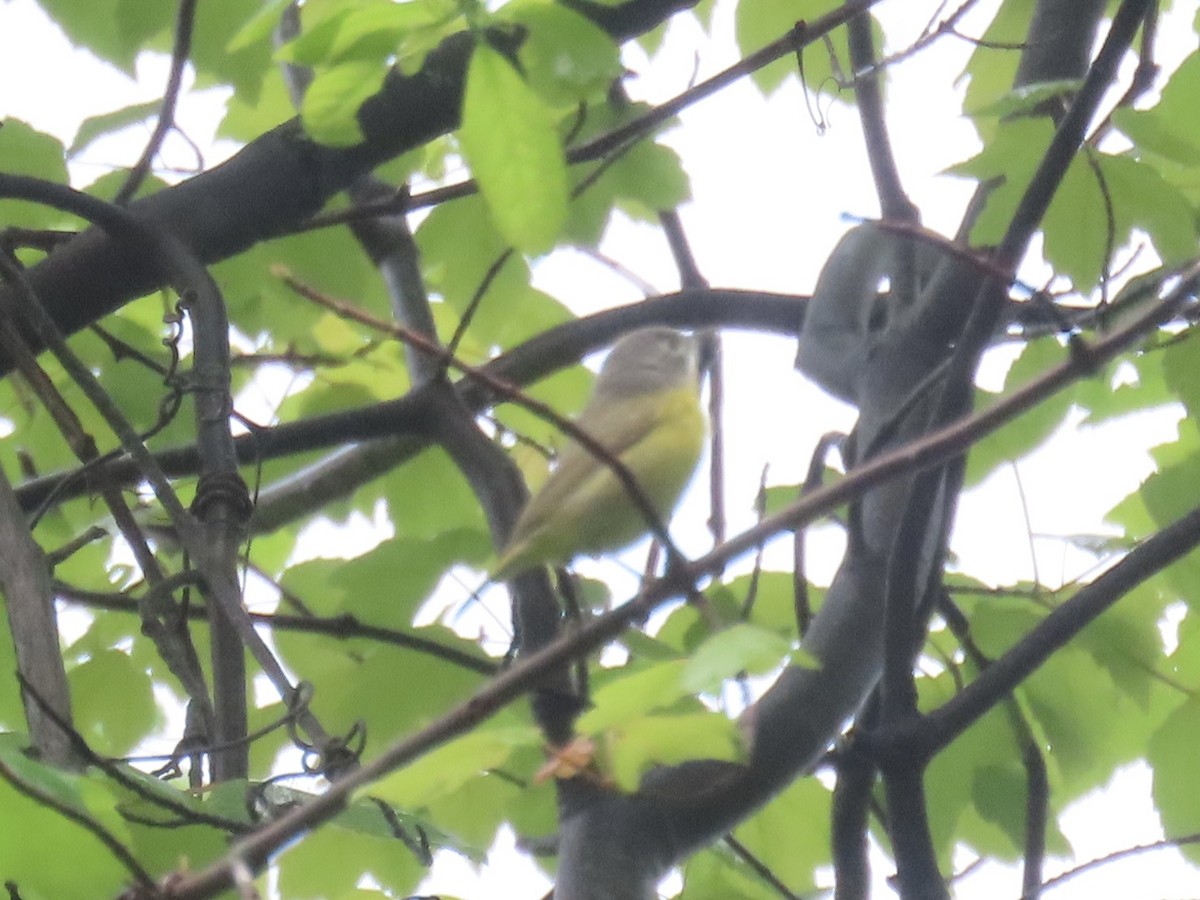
pixel 632 695
pixel 638 744
pixel 759 22
pixel 510 141
pixel 330 107
pixel 450 766
pixel 565 56
pixel 111 728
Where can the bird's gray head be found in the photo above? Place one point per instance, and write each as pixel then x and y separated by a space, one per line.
pixel 650 359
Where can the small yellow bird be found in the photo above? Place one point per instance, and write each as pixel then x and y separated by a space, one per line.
pixel 645 411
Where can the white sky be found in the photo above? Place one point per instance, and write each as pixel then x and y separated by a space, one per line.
pixel 769 199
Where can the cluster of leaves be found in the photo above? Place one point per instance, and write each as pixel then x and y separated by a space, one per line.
pixel 1118 693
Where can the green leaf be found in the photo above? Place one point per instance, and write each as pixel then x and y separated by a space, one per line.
pixel 992 68
pixel 1076 225
pixel 1143 199
pixel 331 860
pixel 951 777
pixel 330 108
pixel 47 838
pixel 462 254
pixel 428 496
pixel 161 849
pixel 106 123
pixel 114 30
pixel 243 68
pixel 113 728
pixel 373 31
pixel 1168 129
pixel 641 181
pixel 246 117
pixel 1085 722
pixel 1012 154
pixel 639 744
pixel 314 45
pixel 452 765
pixel 1174 489
pixel 25 151
pixel 760 22
pixel 474 811
pixel 646 648
pixel 259 27
pixel 534 808
pixel 742 648
pixel 790 835
pixel 509 139
pixel 1097 194
pixel 1026 99
pixel 565 57
pixel 1129 385
pixel 347 674
pixel 1126 641
pixel 1154 133
pixel 1172 754
pixel 650 178
pixel 422 563
pixel 377 31
pixel 1181 370
pixel 684 628
pixel 628 696
pixel 715 874
pixel 1029 430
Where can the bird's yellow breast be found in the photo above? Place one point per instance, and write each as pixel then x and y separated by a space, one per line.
pixel 584 508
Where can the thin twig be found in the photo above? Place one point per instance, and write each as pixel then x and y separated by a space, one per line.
pixel 184 21
pixel 1116 855
pixel 343 626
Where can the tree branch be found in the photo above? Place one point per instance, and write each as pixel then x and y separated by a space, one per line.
pixel 941 726
pixel 736 795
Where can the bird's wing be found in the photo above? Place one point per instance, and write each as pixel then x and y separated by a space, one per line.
pixel 616 430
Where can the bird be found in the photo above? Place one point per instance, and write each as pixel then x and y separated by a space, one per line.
pixel 645 411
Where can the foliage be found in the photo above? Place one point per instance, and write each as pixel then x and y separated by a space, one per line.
pixel 381 634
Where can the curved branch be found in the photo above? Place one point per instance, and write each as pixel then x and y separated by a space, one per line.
pixel 408 415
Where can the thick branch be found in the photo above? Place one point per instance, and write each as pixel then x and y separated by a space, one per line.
pixel 29 603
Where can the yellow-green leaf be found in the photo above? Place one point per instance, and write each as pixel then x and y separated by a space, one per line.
pixel 665 740
pixel 629 696
pixel 330 108
pixel 509 139
pixel 742 648
pixel 450 766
